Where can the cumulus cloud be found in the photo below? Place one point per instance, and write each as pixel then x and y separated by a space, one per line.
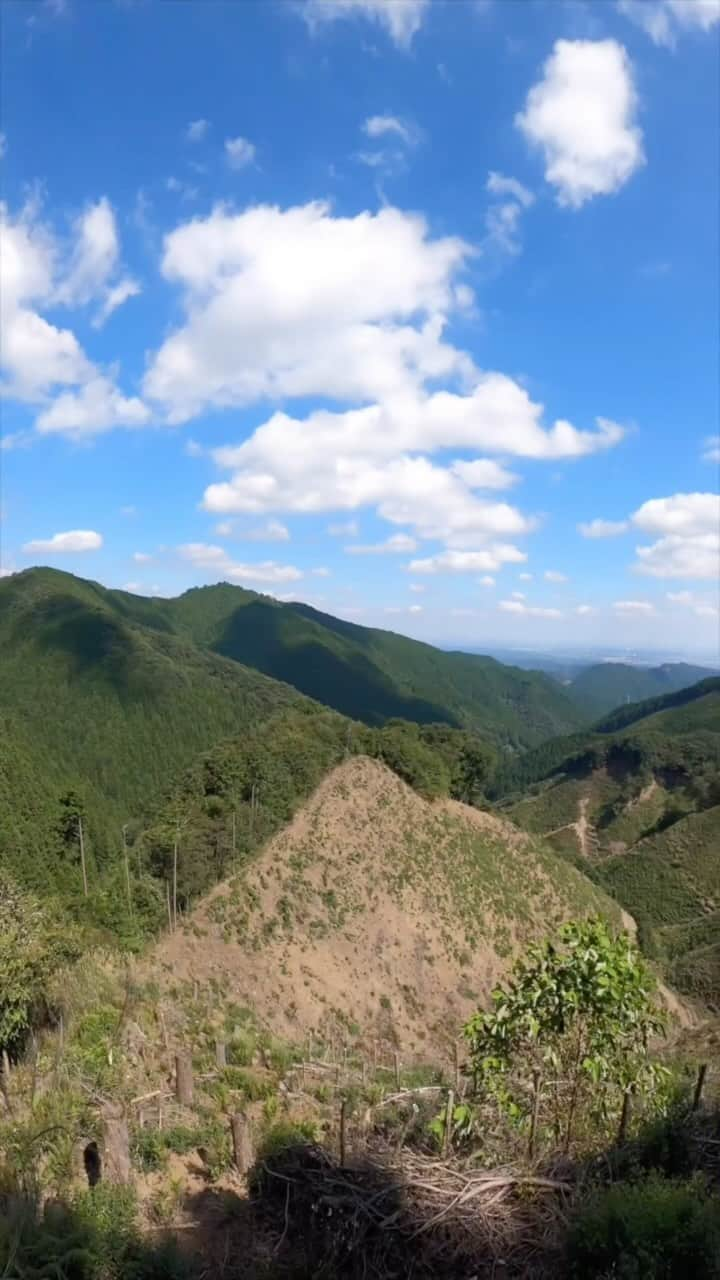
pixel 345 529
pixel 239 152
pixel 585 610
pixel 701 606
pixel 487 581
pixel 633 607
pixel 664 20
pixel 582 115
pixel 528 610
pixel 97 407
pixel 215 560
pixel 603 528
pixel 61 543
pixel 116 295
pixel 397 544
pixel 525 577
pixel 552 575
pixel 491 557
pixel 483 473
pixel 37 357
pixel 690 543
pixel 417 587
pixel 401 19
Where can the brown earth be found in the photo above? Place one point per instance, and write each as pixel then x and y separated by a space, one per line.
pixel 376 913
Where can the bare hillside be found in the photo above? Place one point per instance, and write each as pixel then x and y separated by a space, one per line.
pixel 378 912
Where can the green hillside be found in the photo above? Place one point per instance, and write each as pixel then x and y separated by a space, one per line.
pixel 600 688
pixel 638 801
pixel 94 700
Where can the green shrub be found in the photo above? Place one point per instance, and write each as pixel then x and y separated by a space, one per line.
pixel 652 1230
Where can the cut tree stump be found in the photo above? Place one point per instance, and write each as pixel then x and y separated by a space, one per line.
pixel 243 1148
pixel 115 1165
pixel 184 1080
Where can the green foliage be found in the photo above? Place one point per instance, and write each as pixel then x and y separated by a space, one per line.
pixel 651 1230
pixel 600 689
pixel 32 947
pixel 577 1012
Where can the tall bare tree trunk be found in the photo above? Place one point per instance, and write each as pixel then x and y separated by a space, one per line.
pixel 127 868
pixel 175 877
pixel 82 856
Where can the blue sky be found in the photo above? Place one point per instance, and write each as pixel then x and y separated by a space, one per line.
pixel 402 307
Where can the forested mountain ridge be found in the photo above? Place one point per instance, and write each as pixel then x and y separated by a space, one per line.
pixel 364 673
pixel 600 688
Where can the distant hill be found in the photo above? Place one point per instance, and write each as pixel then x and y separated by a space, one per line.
pixel 637 802
pixel 373 906
pixel 600 688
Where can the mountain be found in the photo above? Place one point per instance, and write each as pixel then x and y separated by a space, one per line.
pixel 598 689
pixel 93 699
pixel 636 802
pixel 373 675
pixel 378 909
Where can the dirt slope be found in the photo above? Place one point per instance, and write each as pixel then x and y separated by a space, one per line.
pixel 377 912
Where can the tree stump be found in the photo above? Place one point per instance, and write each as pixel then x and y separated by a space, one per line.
pixel 115 1164
pixel 243 1149
pixel 220 1054
pixel 184 1080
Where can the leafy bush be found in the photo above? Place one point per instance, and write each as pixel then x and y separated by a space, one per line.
pixel 652 1230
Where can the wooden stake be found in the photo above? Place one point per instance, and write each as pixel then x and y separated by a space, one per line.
pixel 234 831
pixel 535 1115
pixel 127 867
pixel 624 1117
pixel 396 1056
pixel 81 839
pixel 243 1153
pixel 343 1119
pixel 175 875
pixel 700 1084
pixel 184 1079
pixel 447 1142
pixel 220 1054
pixel 457 1067
pixel 169 908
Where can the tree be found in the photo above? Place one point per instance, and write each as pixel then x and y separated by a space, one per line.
pixel 569 1034
pixel 32 946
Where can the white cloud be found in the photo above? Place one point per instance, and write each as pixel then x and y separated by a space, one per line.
pixel 585 610
pixel 141 557
pixel 663 20
pixel 398 543
pixel 582 115
pixel 499 185
pixel 321 572
pixel 487 581
pixel 415 608
pixel 401 19
pixel 603 528
pixel 73 540
pixel 98 406
pixel 675 556
pixel 94 256
pixel 115 297
pixel 136 588
pixel 271 531
pixel 528 610
pixel 296 302
pixel 518 595
pixel 417 587
pixel 502 220
pixel 382 126
pixel 346 529
pixel 37 357
pixel 185 190
pixel 706 611
pixel 216 560
pixel 483 473
pixel 197 130
pixel 239 153
pixel 711 449
pixel 525 577
pixel 690 543
pixel 679 597
pixel 630 607
pixel 552 575
pixel 492 557
pixel 701 607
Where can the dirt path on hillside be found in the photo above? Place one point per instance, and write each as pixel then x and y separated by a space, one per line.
pixel 582 827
